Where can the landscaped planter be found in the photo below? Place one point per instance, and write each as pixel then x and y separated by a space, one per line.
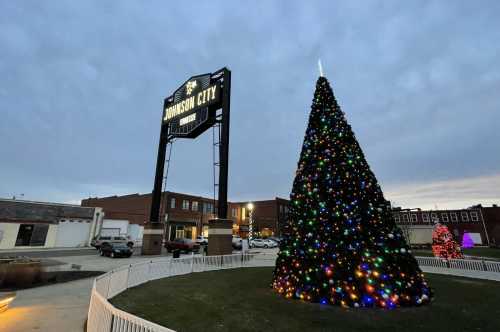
pixel 20 273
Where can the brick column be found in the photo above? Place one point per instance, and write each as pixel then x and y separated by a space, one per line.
pixel 152 238
pixel 220 235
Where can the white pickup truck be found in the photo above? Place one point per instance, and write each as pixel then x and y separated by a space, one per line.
pixel 98 241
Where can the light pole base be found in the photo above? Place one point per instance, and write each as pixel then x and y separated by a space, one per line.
pixel 220 237
pixel 152 239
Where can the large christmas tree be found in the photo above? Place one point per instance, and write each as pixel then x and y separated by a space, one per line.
pixel 341 245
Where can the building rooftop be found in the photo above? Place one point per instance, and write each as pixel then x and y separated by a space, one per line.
pixel 13 209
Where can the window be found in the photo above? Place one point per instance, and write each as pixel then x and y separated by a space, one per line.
pixel 444 217
pixel 185 204
pixel 243 213
pixel 208 207
pixel 179 230
pixel 474 216
pixel 405 218
pixel 434 217
pixel 172 203
pixel 234 212
pixel 454 217
pixel 32 235
pixel 194 206
pixel 425 217
pixel 414 217
pixel 397 219
pixel 465 216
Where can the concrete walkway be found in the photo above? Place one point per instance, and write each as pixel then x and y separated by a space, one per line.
pixel 60 307
pixel 495 276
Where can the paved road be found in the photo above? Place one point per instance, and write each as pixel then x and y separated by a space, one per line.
pixel 56 253
pixel 49 253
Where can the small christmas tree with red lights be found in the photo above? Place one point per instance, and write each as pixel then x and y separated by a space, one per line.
pixel 341 245
pixel 443 244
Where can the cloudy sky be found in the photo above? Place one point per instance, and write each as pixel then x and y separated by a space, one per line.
pixel 82 85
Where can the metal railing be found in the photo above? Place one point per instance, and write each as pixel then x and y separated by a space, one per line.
pixel 104 317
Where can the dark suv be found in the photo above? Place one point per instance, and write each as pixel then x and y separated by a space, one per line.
pixel 115 250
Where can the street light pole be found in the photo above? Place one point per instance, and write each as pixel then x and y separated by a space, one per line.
pixel 250 222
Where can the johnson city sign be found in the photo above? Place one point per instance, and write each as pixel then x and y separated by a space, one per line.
pixel 191 109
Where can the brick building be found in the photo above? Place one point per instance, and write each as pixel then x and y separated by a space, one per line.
pixel 188 215
pixel 483 223
pixel 268 216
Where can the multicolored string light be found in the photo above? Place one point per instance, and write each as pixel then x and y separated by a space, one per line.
pixel 341 245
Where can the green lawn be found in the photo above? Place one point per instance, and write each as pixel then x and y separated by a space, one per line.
pixel 482 252
pixel 241 300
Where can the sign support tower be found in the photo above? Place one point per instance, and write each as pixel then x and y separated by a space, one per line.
pixel 191 110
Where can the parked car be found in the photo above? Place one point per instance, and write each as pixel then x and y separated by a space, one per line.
pixel 201 240
pixel 99 241
pixel 185 245
pixel 263 243
pixel 115 250
pixel 237 242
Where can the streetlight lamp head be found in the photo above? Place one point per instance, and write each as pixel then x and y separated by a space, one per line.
pixel 250 206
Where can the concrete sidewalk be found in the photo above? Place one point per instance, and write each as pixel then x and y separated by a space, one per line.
pixel 60 307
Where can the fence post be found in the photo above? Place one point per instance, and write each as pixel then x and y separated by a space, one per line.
pixel 128 276
pixel 112 322
pixel 192 262
pixel 109 283
pixel 149 270
pixel 170 267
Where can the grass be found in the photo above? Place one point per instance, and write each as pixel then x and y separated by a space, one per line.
pixel 481 252
pixel 241 300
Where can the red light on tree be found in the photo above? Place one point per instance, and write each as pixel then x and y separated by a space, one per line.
pixel 443 244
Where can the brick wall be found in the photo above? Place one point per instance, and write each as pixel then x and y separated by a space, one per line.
pixel 457 221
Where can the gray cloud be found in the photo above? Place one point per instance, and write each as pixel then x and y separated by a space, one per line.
pixel 82 88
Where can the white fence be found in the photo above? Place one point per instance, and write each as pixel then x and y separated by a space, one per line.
pixel 460 264
pixel 104 317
